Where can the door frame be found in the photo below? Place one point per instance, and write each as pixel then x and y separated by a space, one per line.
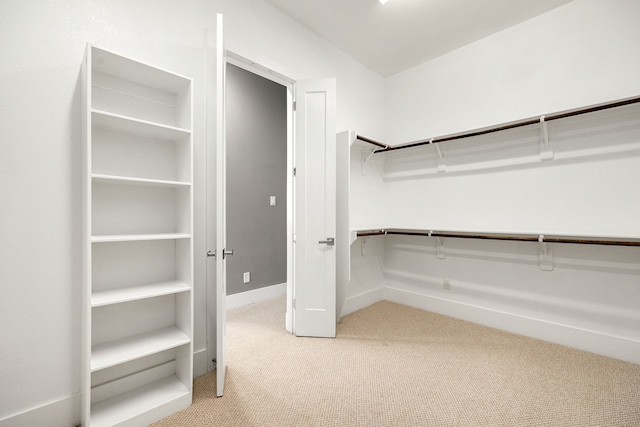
pixel 226 57
pixel 268 73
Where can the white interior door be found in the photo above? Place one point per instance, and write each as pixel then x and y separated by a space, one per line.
pixel 216 237
pixel 315 209
pixel 221 208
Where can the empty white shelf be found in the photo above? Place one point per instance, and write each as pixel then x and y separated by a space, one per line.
pixel 108 62
pixel 120 351
pixel 504 235
pixel 132 404
pixel 125 124
pixel 138 237
pixel 146 182
pixel 132 293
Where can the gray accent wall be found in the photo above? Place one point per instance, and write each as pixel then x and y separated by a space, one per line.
pixel 256 121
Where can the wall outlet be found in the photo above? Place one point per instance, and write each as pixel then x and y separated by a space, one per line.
pixel 446 284
pixel 246 277
pixel 272 200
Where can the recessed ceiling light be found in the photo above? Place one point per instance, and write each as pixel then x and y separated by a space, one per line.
pixel 383 1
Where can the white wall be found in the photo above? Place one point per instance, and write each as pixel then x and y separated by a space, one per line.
pixel 582 53
pixel 256 170
pixel 42 45
pixel 579 54
pixel 257 31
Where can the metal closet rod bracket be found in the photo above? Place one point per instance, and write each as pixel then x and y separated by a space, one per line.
pixel 442 167
pixel 545 255
pixel 365 158
pixel 546 147
pixel 441 252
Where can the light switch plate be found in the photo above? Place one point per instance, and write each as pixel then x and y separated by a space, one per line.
pixel 272 200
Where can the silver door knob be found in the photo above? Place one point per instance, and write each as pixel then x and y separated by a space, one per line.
pixel 226 253
pixel 330 241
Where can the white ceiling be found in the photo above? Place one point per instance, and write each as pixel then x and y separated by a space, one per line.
pixel 403 33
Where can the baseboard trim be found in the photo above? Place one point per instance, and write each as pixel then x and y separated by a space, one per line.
pixel 592 341
pixel 363 300
pixel 256 295
pixel 200 363
pixel 64 412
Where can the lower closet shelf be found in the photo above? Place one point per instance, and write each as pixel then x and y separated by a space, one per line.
pixel 116 352
pixel 168 391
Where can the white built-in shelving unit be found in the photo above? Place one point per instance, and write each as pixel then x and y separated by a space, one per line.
pixel 138 241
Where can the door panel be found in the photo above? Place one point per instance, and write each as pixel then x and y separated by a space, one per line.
pixel 315 209
pixel 221 276
pixel 216 274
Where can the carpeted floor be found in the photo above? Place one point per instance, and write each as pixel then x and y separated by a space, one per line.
pixel 393 365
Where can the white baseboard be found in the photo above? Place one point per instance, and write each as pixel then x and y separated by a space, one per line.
pixel 256 295
pixel 63 413
pixel 200 363
pixel 360 301
pixel 592 341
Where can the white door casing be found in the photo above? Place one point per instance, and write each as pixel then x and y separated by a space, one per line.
pixel 315 209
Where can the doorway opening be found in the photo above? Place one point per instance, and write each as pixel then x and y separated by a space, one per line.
pixel 259 151
pixel 313 261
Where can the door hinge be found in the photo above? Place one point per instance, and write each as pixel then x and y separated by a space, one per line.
pixel 294 171
pixel 295 105
pixel 293 303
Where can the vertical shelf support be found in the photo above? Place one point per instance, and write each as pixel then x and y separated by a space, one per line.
pixel 442 167
pixel 546 147
pixel 545 254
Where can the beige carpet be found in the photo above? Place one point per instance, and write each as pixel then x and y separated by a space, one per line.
pixel 393 365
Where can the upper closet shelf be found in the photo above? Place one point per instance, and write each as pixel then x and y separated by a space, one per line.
pixel 129 125
pixel 119 66
pixel 541 120
pixel 523 237
pixel 137 237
